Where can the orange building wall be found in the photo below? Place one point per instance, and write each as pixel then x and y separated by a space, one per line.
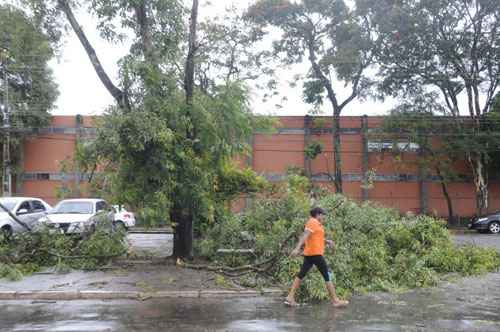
pixel 45 153
pixel 272 155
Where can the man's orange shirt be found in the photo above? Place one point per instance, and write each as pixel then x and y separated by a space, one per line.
pixel 315 243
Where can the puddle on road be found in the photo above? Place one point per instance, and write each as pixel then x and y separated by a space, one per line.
pixel 68 326
pixel 470 305
pixel 262 325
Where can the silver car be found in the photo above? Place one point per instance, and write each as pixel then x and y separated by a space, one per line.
pixel 75 216
pixel 123 218
pixel 27 209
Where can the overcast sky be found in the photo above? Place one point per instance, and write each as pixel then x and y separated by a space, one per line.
pixel 81 92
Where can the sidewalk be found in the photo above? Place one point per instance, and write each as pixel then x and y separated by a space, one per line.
pixel 140 282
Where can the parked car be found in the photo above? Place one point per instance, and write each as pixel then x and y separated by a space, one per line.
pixel 489 223
pixel 123 218
pixel 26 209
pixel 76 216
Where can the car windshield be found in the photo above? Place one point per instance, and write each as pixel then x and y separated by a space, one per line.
pixel 8 203
pixel 73 207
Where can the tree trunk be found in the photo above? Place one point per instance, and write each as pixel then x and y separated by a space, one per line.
pixel 336 152
pixel 183 239
pixel 479 171
pixel 145 32
pixel 337 109
pixel 183 235
pixel 189 74
pixel 176 219
pixel 449 203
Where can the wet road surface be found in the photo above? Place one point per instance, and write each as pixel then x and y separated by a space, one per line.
pixel 470 304
pixel 483 240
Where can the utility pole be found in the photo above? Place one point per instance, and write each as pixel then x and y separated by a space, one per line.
pixel 7 183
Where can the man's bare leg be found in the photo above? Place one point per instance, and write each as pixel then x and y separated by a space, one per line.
pixel 333 296
pixel 291 295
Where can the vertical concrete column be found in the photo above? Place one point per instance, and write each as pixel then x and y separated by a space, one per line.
pixel 249 164
pixel 364 155
pixel 78 137
pixel 422 185
pixel 20 171
pixel 307 140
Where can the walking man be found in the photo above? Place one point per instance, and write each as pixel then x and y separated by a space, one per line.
pixel 313 241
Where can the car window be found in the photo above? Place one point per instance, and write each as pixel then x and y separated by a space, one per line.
pixel 38 206
pixel 101 206
pixel 24 206
pixel 73 207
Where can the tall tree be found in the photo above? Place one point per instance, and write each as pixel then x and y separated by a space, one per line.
pixel 228 51
pixel 452 47
pixel 25 52
pixel 27 91
pixel 166 144
pixel 337 43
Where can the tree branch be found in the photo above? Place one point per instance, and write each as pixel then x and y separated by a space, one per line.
pixel 320 75
pixel 16 219
pixel 120 97
pixel 355 85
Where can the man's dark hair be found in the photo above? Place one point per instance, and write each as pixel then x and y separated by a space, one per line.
pixel 316 211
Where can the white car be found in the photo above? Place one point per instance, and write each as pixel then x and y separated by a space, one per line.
pixel 123 218
pixel 26 209
pixel 75 216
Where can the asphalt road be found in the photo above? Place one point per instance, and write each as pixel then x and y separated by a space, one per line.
pixel 469 305
pixel 466 305
pixel 484 240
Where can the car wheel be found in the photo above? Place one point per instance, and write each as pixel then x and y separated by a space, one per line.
pixel 6 231
pixel 120 227
pixel 494 227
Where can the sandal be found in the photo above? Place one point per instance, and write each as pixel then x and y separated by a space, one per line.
pixel 340 304
pixel 291 304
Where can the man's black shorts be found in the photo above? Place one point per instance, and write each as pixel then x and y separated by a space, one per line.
pixel 320 263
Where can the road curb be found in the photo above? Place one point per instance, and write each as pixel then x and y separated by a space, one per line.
pixel 132 295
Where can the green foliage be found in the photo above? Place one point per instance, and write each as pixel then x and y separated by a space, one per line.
pixel 233 181
pixel 25 253
pixel 421 54
pixel 331 35
pixel 369 179
pixel 336 41
pixel 10 272
pixel 375 248
pixel 25 52
pixel 154 165
pixel 313 149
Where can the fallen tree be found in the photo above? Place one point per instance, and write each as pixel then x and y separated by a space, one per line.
pixel 24 253
pixel 376 248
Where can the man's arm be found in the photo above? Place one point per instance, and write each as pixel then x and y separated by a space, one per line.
pixel 302 240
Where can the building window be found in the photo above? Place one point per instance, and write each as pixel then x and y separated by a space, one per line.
pixel 43 176
pixel 377 146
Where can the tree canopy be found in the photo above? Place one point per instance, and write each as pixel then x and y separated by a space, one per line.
pixel 448 47
pixel 167 146
pixel 335 40
pixel 25 51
